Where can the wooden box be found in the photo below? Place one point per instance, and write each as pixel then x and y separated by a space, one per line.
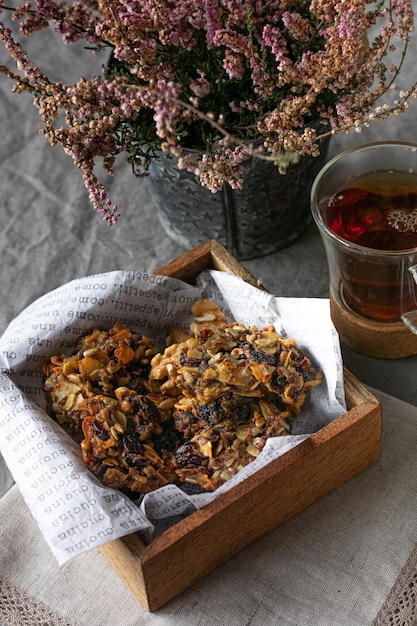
pixel 198 544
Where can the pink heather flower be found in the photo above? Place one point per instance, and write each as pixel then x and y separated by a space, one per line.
pixel 221 74
pixel 233 64
pixel 212 13
pixel 47 8
pixel 200 86
pixel 232 40
pixel 297 27
pixel 273 39
pixel 225 164
pixel 99 200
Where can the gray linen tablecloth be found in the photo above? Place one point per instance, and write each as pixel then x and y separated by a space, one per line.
pixel 334 563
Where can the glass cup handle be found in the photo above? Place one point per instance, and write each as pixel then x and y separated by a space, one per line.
pixel 410 318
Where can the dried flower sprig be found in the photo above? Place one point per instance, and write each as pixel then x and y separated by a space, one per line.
pixel 234 79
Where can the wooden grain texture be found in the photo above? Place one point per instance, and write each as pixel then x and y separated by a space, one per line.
pixel 374 339
pixel 356 394
pixel 200 543
pixel 208 255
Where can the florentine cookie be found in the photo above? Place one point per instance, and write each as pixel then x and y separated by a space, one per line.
pixel 197 412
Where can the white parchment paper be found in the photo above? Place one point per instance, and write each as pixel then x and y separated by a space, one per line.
pixel 73 510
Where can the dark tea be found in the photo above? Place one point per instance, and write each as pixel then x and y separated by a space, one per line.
pixel 378 211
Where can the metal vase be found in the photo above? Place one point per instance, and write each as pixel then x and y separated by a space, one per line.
pixel 269 213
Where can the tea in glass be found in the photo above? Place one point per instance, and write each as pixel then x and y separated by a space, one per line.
pixel 364 202
pixel 377 210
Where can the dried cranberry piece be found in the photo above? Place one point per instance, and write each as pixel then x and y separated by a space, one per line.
pixel 100 430
pixel 145 409
pixel 277 382
pixel 187 455
pixel 257 356
pixel 130 445
pixel 212 413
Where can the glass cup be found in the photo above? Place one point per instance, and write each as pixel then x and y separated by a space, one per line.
pixel 364 202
